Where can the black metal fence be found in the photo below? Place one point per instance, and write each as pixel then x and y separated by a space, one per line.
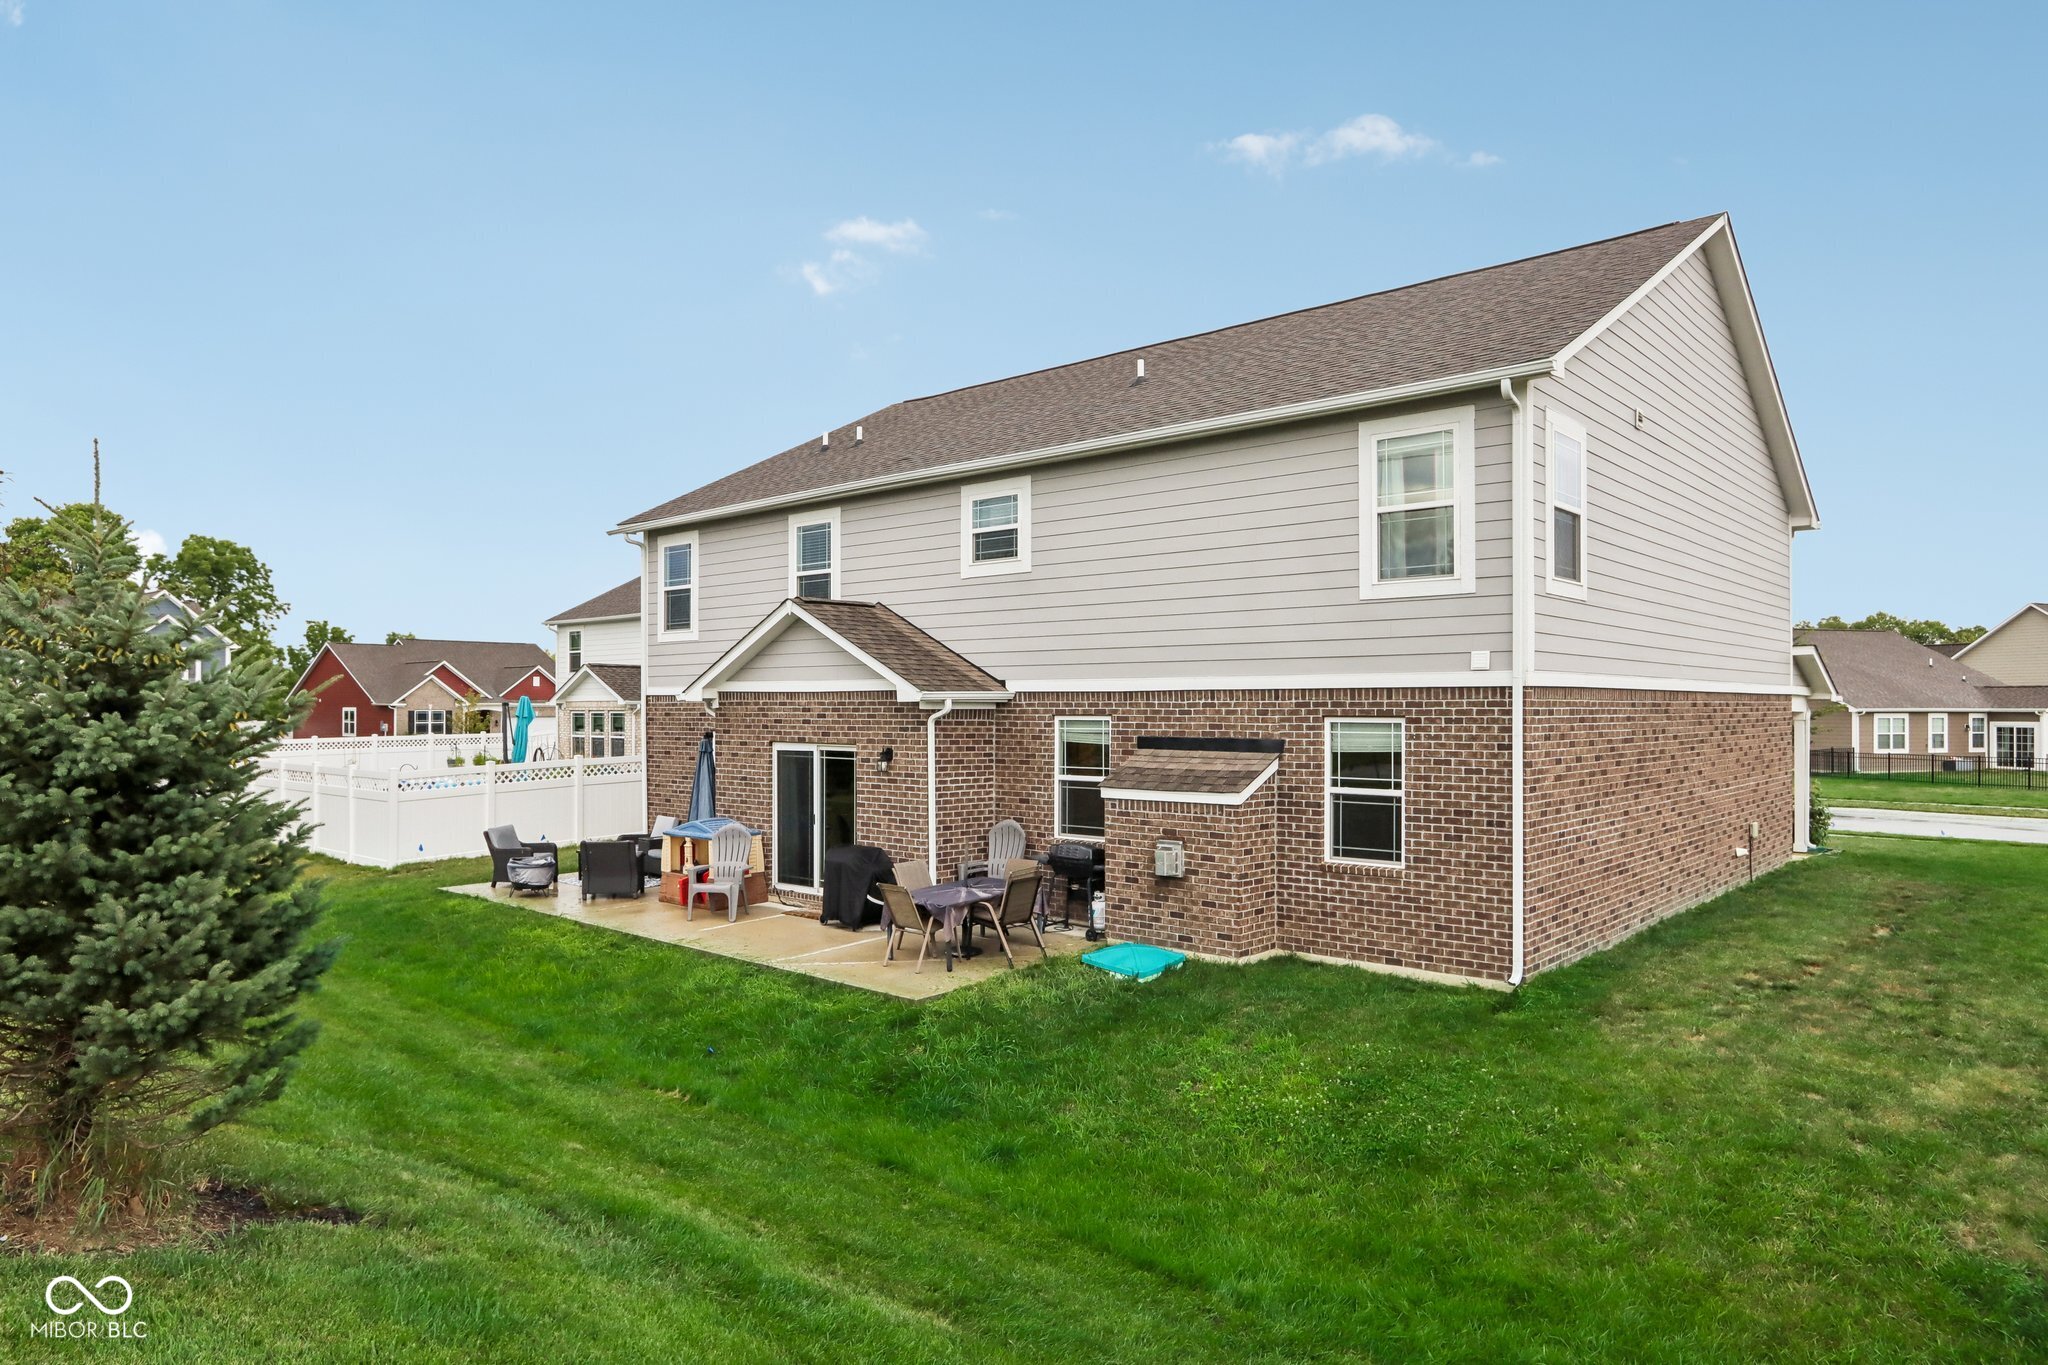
pixel 1960 770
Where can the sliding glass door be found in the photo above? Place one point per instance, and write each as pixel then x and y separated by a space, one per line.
pixel 814 811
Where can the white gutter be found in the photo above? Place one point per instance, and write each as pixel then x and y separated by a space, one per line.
pixel 931 784
pixel 1522 632
pixel 1207 426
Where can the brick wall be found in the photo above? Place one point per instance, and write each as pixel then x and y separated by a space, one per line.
pixel 1225 904
pixel 1636 803
pixel 1445 910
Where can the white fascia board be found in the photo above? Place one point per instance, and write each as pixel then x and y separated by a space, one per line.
pixel 706 683
pixel 1179 431
pixel 1814 670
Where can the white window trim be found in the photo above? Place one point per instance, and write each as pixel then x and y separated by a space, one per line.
pixel 575 649
pixel 1557 420
pixel 1058 758
pixel 696 585
pixel 348 722
pixel 1978 742
pixel 1932 747
pixel 1878 736
pixel 995 488
pixel 1330 788
pixel 817 752
pixel 1464 520
pixel 812 518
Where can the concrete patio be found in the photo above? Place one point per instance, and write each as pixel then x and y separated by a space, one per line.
pixel 790 940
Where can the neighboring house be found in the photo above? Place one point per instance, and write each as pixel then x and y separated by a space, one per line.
pixel 598 649
pixel 2015 650
pixel 1441 629
pixel 418 687
pixel 1904 700
pixel 219 651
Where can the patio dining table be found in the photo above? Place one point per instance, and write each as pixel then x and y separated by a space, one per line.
pixel 948 904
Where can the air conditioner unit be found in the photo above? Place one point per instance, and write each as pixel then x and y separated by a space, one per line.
pixel 1170 859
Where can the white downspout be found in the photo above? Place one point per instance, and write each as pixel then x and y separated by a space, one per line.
pixel 931 784
pixel 1521 631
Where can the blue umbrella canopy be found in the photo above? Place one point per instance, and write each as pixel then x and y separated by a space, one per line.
pixel 703 789
pixel 522 722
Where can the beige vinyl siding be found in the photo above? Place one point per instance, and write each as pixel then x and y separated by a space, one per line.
pixel 1688 547
pixel 2016 654
pixel 1226 557
pixel 604 642
pixel 800 657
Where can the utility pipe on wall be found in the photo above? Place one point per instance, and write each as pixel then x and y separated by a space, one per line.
pixel 931 785
pixel 1523 635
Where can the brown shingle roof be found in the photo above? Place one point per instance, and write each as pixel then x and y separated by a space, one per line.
pixel 388 672
pixel 624 679
pixel 908 652
pixel 2016 696
pixel 1193 772
pixel 1519 313
pixel 1874 669
pixel 623 600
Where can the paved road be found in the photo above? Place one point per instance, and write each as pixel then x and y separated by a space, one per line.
pixel 2011 829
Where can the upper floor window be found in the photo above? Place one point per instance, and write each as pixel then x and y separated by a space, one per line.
pixel 1364 790
pixel 678 559
pixel 1567 484
pixel 576 649
pixel 814 554
pixel 1416 494
pixel 1081 761
pixel 995 527
pixel 1889 733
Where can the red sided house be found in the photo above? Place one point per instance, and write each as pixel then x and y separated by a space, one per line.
pixel 418 687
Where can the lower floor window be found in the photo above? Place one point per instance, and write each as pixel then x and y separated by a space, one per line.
pixel 1890 732
pixel 597 733
pixel 426 722
pixel 1977 733
pixel 1364 791
pixel 1937 734
pixel 348 720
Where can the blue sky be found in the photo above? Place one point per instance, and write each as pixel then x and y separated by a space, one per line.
pixel 419 300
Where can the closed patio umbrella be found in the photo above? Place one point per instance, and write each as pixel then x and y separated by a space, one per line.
pixel 703 789
pixel 521 722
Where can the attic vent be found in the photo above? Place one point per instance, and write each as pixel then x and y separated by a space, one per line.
pixel 825 441
pixel 1141 367
pixel 859 434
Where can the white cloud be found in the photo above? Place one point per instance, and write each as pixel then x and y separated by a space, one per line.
pixel 997 215
pixel 1368 135
pixel 148 543
pixel 904 238
pixel 1373 136
pixel 13 11
pixel 845 268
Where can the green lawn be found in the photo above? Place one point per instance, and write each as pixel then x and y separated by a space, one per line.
pixel 1807 1122
pixel 1951 794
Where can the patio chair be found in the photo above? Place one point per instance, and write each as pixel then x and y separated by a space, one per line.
pixel 505 844
pixel 913 876
pixel 1018 906
pixel 731 847
pixel 905 918
pixel 610 867
pixel 1005 841
pixel 649 845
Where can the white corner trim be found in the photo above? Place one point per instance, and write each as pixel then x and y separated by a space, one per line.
pixel 1236 798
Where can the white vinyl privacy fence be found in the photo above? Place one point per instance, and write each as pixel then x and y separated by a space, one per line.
pixel 389 751
pixel 381 817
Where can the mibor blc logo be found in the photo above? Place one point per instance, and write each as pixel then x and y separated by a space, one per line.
pixel 68 1297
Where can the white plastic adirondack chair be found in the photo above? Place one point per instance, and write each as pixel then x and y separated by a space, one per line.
pixel 1005 841
pixel 730 847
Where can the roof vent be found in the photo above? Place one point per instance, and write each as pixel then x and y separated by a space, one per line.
pixel 859 434
pixel 1141 368
pixel 825 441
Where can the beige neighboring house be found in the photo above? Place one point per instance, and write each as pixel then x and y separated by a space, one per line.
pixel 2015 650
pixel 1903 702
pixel 598 650
pixel 1468 599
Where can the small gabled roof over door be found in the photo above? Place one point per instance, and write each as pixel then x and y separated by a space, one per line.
pixel 808 645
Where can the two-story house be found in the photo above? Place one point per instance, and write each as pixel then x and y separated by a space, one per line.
pixel 1444 629
pixel 598 649
pixel 422 687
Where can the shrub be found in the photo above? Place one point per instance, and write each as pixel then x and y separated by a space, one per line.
pixel 1819 820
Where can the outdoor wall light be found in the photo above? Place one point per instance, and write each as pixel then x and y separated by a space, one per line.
pixel 884 759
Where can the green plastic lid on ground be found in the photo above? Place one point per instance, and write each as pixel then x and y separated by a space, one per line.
pixel 1138 961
